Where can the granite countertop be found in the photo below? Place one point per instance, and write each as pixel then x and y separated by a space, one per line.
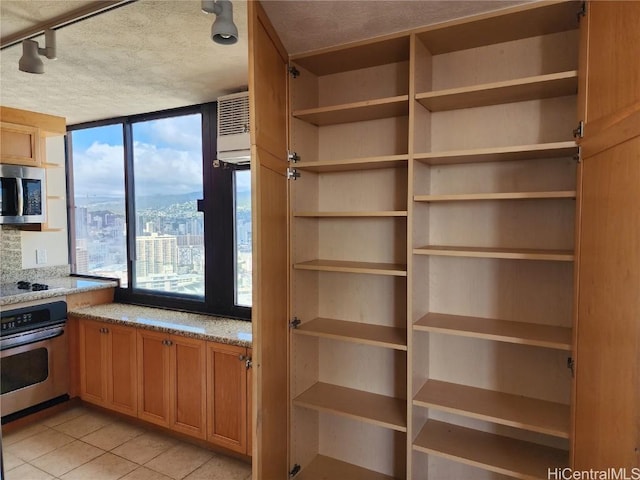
pixel 194 325
pixel 10 294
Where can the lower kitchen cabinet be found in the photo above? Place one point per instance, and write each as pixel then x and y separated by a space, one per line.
pixel 171 382
pixel 227 413
pixel 108 365
pixel 195 387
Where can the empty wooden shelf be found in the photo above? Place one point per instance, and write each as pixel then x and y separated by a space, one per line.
pixel 380 410
pixel 462 197
pixel 364 333
pixel 514 410
pixel 353 214
pixel 530 88
pixel 325 468
pixel 503 253
pixel 496 453
pixel 500 154
pixel 356 112
pixel 548 336
pixel 393 269
pixel 354 164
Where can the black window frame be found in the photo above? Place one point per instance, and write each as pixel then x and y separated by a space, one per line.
pixel 217 205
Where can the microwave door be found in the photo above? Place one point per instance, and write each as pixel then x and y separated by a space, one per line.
pixel 11 201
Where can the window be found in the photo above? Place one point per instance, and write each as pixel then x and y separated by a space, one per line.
pixel 147 206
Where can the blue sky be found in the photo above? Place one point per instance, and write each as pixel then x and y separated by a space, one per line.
pixel 167 158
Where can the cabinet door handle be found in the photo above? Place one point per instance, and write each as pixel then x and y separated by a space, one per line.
pixel 168 343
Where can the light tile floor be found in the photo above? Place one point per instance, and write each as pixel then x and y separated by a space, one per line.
pixel 81 444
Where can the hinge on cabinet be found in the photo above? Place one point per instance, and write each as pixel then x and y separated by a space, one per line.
pixel 578 156
pixel 571 365
pixel 293 157
pixel 579 131
pixel 294 471
pixel 293 71
pixel 292 174
pixel 294 323
pixel 582 12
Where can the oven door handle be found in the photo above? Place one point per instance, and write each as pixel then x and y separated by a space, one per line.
pixel 29 338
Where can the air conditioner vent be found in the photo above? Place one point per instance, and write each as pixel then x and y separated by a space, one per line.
pixel 233 114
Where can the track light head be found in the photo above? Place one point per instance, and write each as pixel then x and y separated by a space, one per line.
pixel 30 61
pixel 223 30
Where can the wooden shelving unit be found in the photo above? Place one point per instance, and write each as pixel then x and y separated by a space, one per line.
pixel 353 267
pixel 363 333
pixel 500 154
pixel 380 410
pixel 463 132
pixel 469 197
pixel 323 467
pixel 547 336
pixel 356 111
pixel 373 214
pixel 354 164
pixel 502 253
pixel 513 410
pixel 531 88
pixel 496 453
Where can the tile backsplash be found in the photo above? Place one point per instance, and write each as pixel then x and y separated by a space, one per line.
pixel 11 260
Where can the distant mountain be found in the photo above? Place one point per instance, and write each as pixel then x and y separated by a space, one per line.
pixel 152 201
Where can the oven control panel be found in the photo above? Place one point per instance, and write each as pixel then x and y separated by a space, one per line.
pixel 17 321
pixel 28 318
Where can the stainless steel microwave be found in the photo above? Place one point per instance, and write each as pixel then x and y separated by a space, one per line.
pixel 22 194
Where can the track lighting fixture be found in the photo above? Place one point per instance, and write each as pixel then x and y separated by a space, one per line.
pixel 223 30
pixel 30 61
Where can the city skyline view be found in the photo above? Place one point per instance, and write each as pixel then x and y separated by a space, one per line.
pixel 169 231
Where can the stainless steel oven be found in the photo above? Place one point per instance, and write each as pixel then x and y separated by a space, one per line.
pixel 34 366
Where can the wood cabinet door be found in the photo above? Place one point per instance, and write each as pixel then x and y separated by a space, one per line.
pixel 20 144
pixel 249 402
pixel 93 362
pixel 607 345
pixel 227 396
pixel 268 89
pixel 188 386
pixel 154 357
pixel 122 368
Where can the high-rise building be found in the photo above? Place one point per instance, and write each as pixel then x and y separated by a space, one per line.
pixel 156 254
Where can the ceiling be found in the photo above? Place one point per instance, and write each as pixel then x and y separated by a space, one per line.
pixel 157 54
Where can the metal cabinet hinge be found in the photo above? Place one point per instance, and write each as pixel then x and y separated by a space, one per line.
pixel 582 12
pixel 579 131
pixel 571 365
pixel 292 174
pixel 293 71
pixel 294 322
pixel 294 471
pixel 578 156
pixel 293 157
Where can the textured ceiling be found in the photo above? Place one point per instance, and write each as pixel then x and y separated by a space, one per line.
pixel 157 54
pixel 146 56
pixel 312 24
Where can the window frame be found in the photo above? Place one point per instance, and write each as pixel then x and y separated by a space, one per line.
pixel 217 205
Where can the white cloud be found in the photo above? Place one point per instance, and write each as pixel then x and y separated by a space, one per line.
pixel 98 171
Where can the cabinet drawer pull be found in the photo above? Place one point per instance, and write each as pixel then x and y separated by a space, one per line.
pixel 168 343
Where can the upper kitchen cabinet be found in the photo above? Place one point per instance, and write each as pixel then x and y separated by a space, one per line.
pixel 20 144
pixel 23 135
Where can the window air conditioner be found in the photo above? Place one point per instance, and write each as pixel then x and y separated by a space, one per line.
pixel 234 142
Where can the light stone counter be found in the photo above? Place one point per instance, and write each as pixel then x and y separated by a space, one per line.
pixel 194 325
pixel 10 294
